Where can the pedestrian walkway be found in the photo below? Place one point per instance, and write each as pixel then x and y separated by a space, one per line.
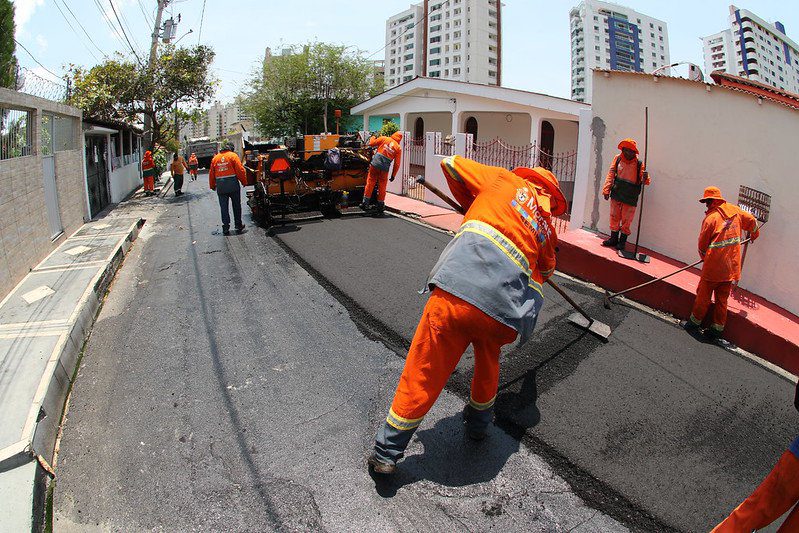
pixel 44 321
pixel 754 324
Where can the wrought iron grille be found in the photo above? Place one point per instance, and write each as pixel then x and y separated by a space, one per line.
pixel 755 202
pixel 16 137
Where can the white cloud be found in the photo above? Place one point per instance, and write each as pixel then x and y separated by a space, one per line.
pixel 41 41
pixel 23 11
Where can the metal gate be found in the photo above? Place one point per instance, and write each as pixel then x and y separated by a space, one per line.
pixel 414 155
pixel 48 173
pixel 97 173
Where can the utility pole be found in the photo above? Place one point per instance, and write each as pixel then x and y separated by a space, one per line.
pixel 148 133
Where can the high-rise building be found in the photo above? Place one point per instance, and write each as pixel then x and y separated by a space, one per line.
pixel 614 37
pixel 756 49
pixel 452 39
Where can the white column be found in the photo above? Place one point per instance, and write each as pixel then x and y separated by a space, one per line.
pixel 581 175
pixel 460 144
pixel 535 129
pixel 366 122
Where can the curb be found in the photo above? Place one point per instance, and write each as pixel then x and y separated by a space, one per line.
pixel 27 463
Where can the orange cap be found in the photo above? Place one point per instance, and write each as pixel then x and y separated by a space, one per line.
pixel 629 143
pixel 712 193
pixel 547 180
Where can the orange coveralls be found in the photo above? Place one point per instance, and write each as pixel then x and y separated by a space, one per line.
pixel 720 247
pixel 486 288
pixel 193 165
pixel 390 148
pixel 621 214
pixel 148 172
pixel 226 164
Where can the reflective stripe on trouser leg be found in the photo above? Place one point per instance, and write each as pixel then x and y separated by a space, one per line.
pixel 721 293
pixel 704 290
pixel 486 376
pixel 777 493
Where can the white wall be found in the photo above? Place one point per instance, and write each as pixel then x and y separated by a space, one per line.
pixel 490 126
pixel 432 122
pixel 123 181
pixel 698 136
pixel 565 135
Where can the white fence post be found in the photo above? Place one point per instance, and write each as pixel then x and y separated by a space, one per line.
pixel 581 181
pixel 462 144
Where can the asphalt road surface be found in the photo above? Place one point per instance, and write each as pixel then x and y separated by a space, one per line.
pixel 236 383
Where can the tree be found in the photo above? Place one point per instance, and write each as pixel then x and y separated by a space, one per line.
pixel 8 61
pixel 298 91
pixel 120 89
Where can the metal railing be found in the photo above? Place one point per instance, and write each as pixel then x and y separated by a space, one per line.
pixel 16 139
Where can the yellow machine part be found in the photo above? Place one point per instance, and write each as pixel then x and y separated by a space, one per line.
pixel 317 143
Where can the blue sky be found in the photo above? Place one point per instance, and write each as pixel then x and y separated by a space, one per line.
pixel 535 32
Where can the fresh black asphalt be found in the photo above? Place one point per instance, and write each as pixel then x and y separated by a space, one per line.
pixel 235 383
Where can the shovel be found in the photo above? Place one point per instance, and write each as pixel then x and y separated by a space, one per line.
pixel 580 319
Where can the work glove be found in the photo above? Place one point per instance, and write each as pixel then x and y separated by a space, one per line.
pixel 607 196
pixel 391 178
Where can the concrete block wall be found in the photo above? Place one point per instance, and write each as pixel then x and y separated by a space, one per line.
pixel 71 184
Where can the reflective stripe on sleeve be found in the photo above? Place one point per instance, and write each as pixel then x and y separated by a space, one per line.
pixel 448 164
pixel 728 242
pixel 503 243
pixel 400 423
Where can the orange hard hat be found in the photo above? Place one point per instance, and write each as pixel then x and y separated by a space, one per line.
pixel 712 193
pixel 629 143
pixel 546 180
pixel 148 153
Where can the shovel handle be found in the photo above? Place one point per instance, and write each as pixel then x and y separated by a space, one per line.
pixel 568 299
pixel 435 190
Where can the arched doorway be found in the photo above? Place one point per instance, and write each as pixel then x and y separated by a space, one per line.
pixel 471 127
pixel 547 146
pixel 418 129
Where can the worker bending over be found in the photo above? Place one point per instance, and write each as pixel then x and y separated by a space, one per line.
pixel 224 176
pixel 720 248
pixel 626 177
pixel 486 289
pixel 388 150
pixel 778 492
pixel 148 172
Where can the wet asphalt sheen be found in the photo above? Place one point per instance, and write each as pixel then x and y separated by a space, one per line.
pixel 235 383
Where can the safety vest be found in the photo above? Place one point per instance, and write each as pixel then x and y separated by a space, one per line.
pixel 148 168
pixel 625 191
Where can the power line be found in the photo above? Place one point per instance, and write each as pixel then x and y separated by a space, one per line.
pixel 148 19
pixel 36 60
pixel 84 29
pixel 127 25
pixel 108 21
pixel 202 16
pixel 75 31
pixel 116 15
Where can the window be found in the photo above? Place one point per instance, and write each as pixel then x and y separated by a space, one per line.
pixel 408 57
pixel 436 50
pixel 435 62
pixel 406 68
pixel 435 28
pixel 436 39
pixel 435 74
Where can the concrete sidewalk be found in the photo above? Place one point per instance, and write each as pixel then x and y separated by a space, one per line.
pixel 754 324
pixel 44 322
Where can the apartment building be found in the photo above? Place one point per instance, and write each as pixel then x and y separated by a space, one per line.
pixel 216 122
pixel 451 39
pixel 756 49
pixel 610 36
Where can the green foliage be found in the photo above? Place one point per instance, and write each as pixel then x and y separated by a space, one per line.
pixel 293 93
pixel 8 61
pixel 160 160
pixel 122 90
pixel 389 128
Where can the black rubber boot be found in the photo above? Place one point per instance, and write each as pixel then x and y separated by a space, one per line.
pixel 225 229
pixel 622 241
pixel 365 204
pixel 380 207
pixel 613 240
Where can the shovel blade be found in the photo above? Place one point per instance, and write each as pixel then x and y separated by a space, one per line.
pixel 596 327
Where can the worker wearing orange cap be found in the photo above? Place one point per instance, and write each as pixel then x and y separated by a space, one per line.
pixel 148 173
pixel 486 290
pixel 388 151
pixel 194 164
pixel 720 248
pixel 775 496
pixel 626 177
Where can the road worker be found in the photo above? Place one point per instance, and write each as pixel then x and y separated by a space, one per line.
pixel 775 496
pixel 720 248
pixel 148 172
pixel 626 177
pixel 388 150
pixel 193 166
pixel 178 168
pixel 224 176
pixel 486 290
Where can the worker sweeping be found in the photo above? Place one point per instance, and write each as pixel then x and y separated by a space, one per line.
pixel 776 495
pixel 388 151
pixel 224 176
pixel 626 177
pixel 194 164
pixel 486 290
pixel 148 172
pixel 720 248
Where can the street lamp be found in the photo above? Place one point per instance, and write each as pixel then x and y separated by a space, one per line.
pixel 182 36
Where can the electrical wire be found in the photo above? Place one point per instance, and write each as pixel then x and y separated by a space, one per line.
pixel 108 21
pixel 36 60
pixel 114 9
pixel 71 27
pixel 82 28
pixel 127 26
pixel 202 16
pixel 147 18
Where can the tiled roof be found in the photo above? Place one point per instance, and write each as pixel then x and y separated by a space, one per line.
pixel 737 83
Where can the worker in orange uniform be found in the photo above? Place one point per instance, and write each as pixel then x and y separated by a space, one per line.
pixel 224 176
pixel 720 248
pixel 626 177
pixel 775 495
pixel 388 150
pixel 486 290
pixel 193 166
pixel 148 172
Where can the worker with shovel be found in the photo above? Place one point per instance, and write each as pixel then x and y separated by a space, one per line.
pixel 720 247
pixel 388 151
pixel 626 177
pixel 486 290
